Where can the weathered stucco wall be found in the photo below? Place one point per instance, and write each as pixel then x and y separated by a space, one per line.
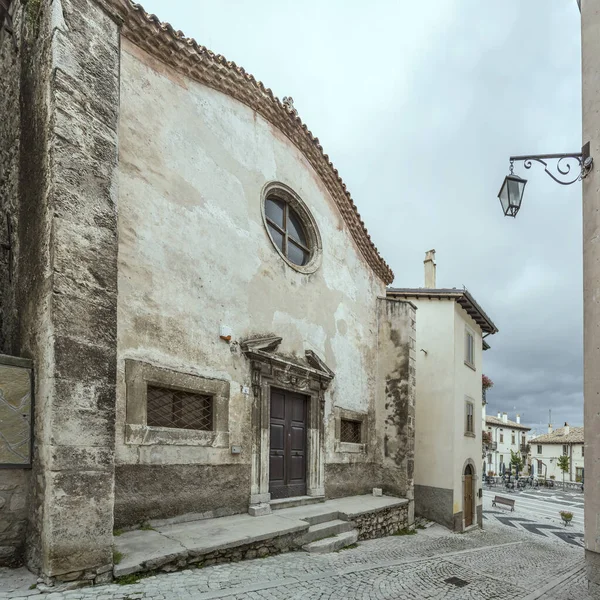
pixel 395 404
pixel 194 253
pixel 467 386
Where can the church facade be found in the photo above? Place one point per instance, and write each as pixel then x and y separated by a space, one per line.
pixel 190 284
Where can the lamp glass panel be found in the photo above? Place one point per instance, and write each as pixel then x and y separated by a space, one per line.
pixel 503 195
pixel 515 192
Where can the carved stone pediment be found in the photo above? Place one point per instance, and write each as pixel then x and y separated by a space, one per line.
pixel 314 374
pixel 266 344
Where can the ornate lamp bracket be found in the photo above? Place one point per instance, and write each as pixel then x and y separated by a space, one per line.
pixel 563 176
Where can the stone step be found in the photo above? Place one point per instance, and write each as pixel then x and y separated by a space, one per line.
pixel 331 544
pixel 325 530
pixel 295 501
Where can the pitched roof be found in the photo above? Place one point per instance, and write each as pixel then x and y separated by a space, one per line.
pixel 462 297
pixel 509 424
pixel 197 62
pixel 575 436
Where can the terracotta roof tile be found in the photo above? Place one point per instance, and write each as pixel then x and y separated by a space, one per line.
pixel 214 70
pixel 509 424
pixel 575 436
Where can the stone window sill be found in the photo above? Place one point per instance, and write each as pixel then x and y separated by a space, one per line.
pixel 470 365
pixel 470 434
pixel 351 448
pixel 142 435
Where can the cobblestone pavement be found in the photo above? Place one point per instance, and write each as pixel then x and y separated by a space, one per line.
pixel 499 563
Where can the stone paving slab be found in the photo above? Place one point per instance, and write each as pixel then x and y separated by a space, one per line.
pixel 149 549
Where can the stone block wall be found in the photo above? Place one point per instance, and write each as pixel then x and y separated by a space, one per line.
pixel 14 483
pixel 14 486
pixel 382 523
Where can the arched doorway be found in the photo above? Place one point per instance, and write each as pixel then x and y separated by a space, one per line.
pixel 468 496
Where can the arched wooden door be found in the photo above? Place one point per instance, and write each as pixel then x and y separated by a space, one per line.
pixel 468 496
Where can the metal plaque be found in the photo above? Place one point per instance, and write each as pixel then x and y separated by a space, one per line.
pixel 16 413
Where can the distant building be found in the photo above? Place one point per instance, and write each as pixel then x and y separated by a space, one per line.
pixel 505 436
pixel 547 448
pixel 450 330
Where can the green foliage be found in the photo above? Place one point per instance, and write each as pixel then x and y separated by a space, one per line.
pixel 405 531
pixel 564 463
pixel 33 586
pixel 118 532
pixel 128 579
pixel 117 557
pixel 32 12
pixel 516 460
pixel 146 527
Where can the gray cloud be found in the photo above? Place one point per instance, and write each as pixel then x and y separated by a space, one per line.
pixel 419 106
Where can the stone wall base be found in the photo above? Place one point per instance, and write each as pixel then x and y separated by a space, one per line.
pixel 383 523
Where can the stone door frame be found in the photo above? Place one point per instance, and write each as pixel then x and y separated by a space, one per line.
pixel 270 370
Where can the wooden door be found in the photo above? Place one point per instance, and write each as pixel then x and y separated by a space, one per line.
pixel 287 458
pixel 468 496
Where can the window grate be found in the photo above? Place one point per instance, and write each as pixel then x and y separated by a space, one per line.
pixel 178 409
pixel 350 431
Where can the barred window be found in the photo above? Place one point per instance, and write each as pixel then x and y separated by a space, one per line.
pixel 178 409
pixel 350 431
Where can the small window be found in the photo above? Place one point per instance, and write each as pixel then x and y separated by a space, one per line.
pixel 565 450
pixel 469 422
pixel 502 459
pixel 350 431
pixel 513 439
pixel 178 409
pixel 540 466
pixel 489 459
pixel 469 348
pixel 582 451
pixel 501 436
pixel 539 449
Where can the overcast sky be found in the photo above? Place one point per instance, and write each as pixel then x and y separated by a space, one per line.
pixel 419 105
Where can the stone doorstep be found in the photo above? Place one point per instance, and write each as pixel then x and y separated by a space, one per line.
pixel 178 542
pixel 150 549
pixel 331 544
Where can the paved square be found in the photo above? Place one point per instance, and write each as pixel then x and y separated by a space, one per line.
pixel 499 562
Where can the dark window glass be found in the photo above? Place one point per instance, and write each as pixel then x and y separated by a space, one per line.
pixel 295 229
pixel 296 254
pixel 178 409
pixel 276 237
pixel 286 230
pixel 350 431
pixel 274 209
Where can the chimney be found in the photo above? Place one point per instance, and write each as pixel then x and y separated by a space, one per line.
pixel 549 427
pixel 505 417
pixel 566 429
pixel 519 419
pixel 499 415
pixel 429 263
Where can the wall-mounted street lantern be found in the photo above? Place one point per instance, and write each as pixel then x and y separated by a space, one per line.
pixel 511 192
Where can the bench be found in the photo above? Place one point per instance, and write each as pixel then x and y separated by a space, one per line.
pixel 505 501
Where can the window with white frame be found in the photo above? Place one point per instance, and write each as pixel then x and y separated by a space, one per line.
pixel 469 348
pixel 539 449
pixel 565 450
